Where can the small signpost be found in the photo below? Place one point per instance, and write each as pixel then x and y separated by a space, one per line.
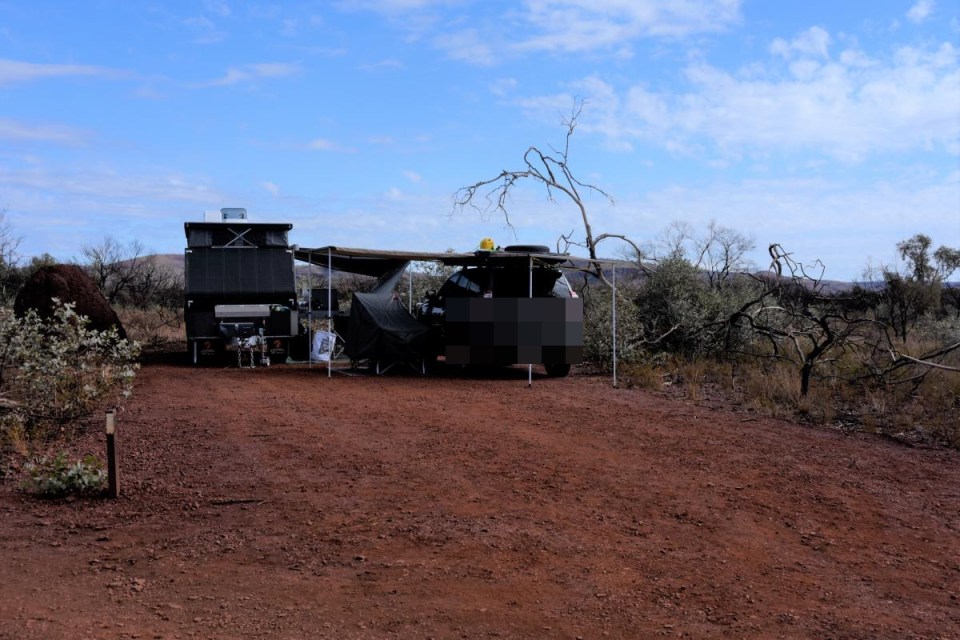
pixel 113 463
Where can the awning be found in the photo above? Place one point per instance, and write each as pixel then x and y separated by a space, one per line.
pixel 376 263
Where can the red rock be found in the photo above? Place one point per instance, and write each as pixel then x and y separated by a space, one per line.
pixel 68 283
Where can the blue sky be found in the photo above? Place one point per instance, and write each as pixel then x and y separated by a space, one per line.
pixel 832 128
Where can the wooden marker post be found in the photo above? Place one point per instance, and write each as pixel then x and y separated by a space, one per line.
pixel 113 464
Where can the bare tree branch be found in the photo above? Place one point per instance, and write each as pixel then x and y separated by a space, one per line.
pixel 552 171
pixel 800 322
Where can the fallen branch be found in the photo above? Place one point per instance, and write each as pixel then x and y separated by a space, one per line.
pixel 897 357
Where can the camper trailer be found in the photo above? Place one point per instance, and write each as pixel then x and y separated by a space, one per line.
pixel 239 288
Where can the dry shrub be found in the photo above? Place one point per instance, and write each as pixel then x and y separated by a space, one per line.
pixel 915 402
pixel 929 410
pixel 946 396
pixel 856 384
pixel 923 411
pixel 153 326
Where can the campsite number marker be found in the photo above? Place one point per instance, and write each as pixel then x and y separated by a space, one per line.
pixel 113 464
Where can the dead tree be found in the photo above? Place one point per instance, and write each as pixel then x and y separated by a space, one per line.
pixel 9 244
pixel 113 267
pixel 552 171
pixel 798 320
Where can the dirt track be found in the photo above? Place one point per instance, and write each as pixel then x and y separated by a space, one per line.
pixel 277 503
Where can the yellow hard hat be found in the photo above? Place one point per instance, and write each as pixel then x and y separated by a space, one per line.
pixel 487 244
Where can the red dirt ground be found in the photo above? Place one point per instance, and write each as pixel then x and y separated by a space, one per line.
pixel 278 503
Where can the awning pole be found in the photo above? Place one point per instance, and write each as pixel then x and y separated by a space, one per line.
pixel 614 326
pixel 309 310
pixel 530 366
pixel 410 292
pixel 329 312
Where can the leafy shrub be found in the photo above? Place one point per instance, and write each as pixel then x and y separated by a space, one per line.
pixel 56 477
pixel 684 312
pixel 55 371
pixel 598 326
pixel 673 303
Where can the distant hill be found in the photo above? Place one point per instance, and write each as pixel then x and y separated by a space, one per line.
pixel 171 261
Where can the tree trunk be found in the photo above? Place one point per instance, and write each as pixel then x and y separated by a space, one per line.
pixel 805 372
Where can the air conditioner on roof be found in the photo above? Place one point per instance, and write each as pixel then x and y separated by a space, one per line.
pixel 226 214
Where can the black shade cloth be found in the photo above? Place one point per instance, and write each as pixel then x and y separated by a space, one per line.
pixel 381 329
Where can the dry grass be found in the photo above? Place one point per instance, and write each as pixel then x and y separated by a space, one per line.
pixel 692 374
pixel 925 412
pixel 13 436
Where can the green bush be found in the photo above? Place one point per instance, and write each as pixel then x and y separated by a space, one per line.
pixel 57 478
pixel 685 313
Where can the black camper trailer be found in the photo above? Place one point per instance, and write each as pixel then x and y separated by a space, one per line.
pixel 239 285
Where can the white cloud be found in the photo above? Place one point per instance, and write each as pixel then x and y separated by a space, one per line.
pixel 503 86
pixel 382 64
pixel 584 25
pixel 468 45
pixel 271 188
pixel 16 71
pixel 14 130
pixel 321 144
pixel 920 11
pixel 252 72
pixel 199 22
pixel 565 26
pixel 815 41
pixel 845 109
pixel 324 144
pixel 217 7
pixel 392 6
pixel 149 205
pixel 206 30
pixel 109 185
pixel 413 176
pixel 290 27
pixel 840 223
